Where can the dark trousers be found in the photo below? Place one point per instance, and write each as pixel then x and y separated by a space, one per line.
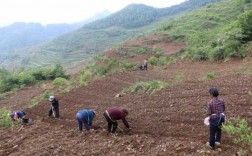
pixel 145 67
pixel 82 121
pixel 112 125
pixel 55 111
pixel 215 129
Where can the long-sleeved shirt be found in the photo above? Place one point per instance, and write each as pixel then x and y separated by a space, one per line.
pixel 55 103
pixel 87 115
pixel 216 106
pixel 19 115
pixel 118 114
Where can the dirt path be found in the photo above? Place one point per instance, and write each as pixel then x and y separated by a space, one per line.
pixel 168 122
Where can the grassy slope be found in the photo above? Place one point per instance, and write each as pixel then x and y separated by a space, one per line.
pixel 202 28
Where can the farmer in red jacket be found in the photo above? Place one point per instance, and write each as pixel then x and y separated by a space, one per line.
pixel 113 114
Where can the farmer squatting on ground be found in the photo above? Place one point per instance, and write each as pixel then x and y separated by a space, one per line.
pixel 216 109
pixel 113 114
pixel 85 117
pixel 15 116
pixel 54 107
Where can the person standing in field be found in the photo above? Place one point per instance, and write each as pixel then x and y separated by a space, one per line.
pixel 216 109
pixel 145 65
pixel 54 110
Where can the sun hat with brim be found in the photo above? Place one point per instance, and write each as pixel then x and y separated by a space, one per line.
pixel 206 121
pixel 51 98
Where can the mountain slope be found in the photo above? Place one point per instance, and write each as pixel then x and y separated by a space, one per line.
pixel 138 15
pixel 218 31
pixel 21 35
pixel 97 36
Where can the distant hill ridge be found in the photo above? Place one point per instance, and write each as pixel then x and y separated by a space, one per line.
pixel 138 15
pixel 97 36
pixel 21 35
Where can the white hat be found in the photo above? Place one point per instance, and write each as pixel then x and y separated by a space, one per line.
pixel 51 98
pixel 206 121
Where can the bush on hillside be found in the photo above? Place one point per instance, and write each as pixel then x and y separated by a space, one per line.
pixel 245 23
pixel 5 120
pixel 9 81
pixel 59 81
pixel 153 60
pixel 26 78
pixel 50 73
pixel 85 76
pixel 127 66
pixel 146 87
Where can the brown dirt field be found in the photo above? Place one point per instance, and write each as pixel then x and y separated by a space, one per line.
pixel 157 41
pixel 21 99
pixel 168 122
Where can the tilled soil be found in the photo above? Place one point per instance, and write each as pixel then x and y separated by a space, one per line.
pixel 167 122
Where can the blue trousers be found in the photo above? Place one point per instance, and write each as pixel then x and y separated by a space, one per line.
pixel 215 129
pixel 82 121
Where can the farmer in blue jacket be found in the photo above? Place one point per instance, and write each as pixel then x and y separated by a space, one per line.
pixel 85 117
pixel 17 115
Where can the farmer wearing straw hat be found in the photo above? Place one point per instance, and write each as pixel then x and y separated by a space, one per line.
pixel 54 107
pixel 113 114
pixel 85 117
pixel 216 109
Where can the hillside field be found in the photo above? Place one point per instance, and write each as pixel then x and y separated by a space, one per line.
pixel 167 122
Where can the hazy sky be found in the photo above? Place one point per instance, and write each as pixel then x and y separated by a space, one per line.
pixel 65 11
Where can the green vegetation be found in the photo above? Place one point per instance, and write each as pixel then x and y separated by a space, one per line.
pixel 14 80
pixel 162 60
pixel 63 84
pixel 5 120
pixel 95 37
pixel 239 131
pixel 178 78
pixel 216 32
pixel 210 75
pixel 146 87
pixel 138 15
pixel 101 66
pixel 60 81
pixel 35 101
pixel 243 71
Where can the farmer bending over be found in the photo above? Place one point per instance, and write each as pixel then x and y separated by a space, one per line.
pixel 15 116
pixel 85 117
pixel 113 114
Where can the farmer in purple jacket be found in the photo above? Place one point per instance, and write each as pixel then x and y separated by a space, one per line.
pixel 113 114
